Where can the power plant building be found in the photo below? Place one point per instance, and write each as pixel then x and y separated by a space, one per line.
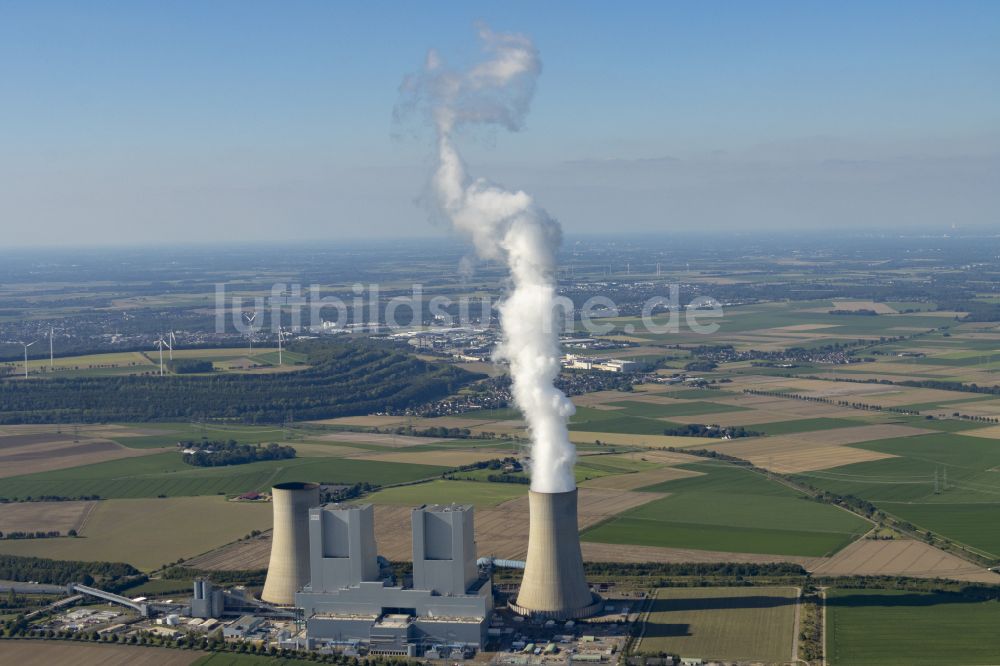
pixel 349 597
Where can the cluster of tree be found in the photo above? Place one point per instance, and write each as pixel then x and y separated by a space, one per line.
pixel 228 578
pixel 865 312
pixel 702 365
pixel 37 534
pixel 189 366
pixel 221 454
pixel 702 430
pixel 344 493
pixel 508 478
pixel 107 575
pixel 344 379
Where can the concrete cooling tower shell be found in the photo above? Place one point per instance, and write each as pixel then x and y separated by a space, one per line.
pixel 554 585
pixel 288 569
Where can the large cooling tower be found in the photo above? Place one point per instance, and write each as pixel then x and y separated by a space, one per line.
pixel 554 585
pixel 288 569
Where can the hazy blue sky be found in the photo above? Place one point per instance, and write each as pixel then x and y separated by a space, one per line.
pixel 130 121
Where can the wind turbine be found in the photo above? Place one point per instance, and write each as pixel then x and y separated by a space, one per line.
pixel 173 341
pixel 280 340
pixel 52 332
pixel 160 344
pixel 250 317
pixel 26 356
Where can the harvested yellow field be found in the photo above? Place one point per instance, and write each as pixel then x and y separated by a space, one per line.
pixel 815 459
pixel 991 432
pixel 639 479
pixel 379 438
pixel 815 450
pixel 440 458
pixel 902 557
pixel 34 516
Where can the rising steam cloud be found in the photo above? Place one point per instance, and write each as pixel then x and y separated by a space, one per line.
pixel 504 225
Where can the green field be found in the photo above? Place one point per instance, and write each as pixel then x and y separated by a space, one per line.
pixel 802 425
pixel 652 410
pixel 150 532
pixel 166 474
pixel 731 623
pixel 905 486
pixel 442 491
pixel 890 628
pixel 732 509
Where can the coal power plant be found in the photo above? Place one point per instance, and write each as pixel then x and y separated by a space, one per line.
pixel 325 568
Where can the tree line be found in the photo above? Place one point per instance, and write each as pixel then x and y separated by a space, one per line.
pixel 345 378
pixel 106 575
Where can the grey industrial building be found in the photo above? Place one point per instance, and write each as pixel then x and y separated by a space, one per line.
pixel 349 598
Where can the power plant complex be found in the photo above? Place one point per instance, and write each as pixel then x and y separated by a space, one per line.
pixel 325 566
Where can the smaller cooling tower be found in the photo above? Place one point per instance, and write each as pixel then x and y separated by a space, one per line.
pixel 554 585
pixel 288 569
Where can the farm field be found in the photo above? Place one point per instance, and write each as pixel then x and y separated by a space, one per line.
pixel 150 532
pixel 477 493
pixel 44 516
pixel 727 508
pixel 904 485
pixel 890 628
pixel 46 653
pixel 30 453
pixel 902 557
pixel 166 474
pixel 723 623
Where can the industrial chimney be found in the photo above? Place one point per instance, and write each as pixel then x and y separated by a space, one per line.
pixel 554 585
pixel 288 569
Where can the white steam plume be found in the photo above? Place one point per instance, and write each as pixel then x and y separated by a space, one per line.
pixel 508 226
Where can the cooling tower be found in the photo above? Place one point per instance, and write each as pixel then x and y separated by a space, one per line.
pixel 554 585
pixel 288 569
